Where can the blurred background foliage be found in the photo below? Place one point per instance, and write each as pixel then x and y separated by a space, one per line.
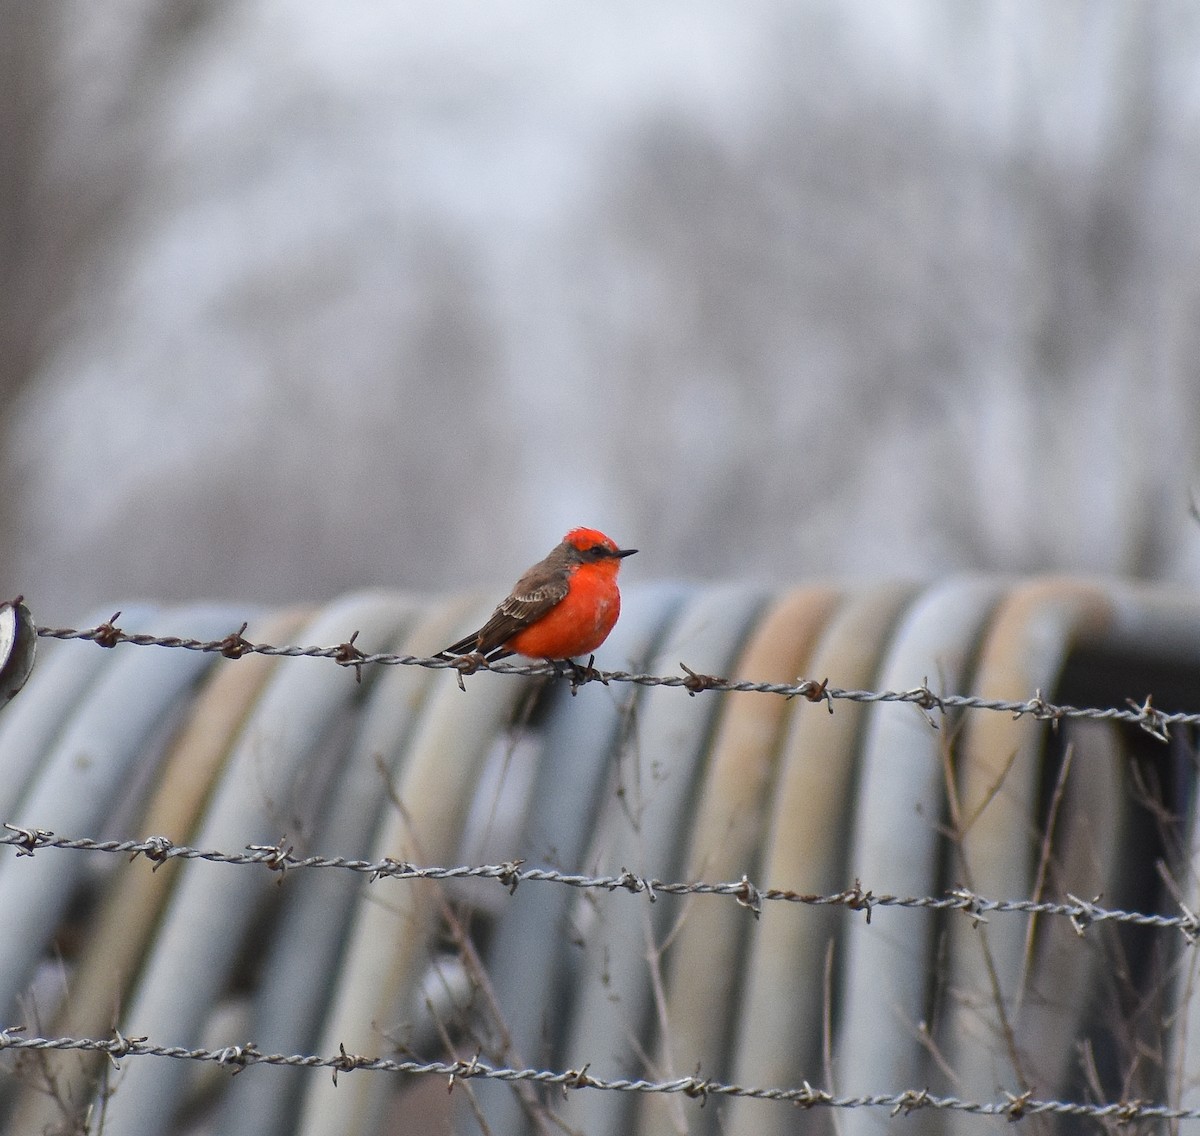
pixel 300 297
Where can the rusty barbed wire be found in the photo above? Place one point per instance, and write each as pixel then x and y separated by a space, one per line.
pixel 237 1057
pixel 1143 714
pixel 280 858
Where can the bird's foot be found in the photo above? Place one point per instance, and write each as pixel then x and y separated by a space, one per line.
pixel 579 674
pixel 467 665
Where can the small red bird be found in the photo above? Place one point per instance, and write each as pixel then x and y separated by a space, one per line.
pixel 564 606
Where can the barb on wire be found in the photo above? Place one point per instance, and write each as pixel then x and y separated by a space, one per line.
pixel 281 858
pixel 1013 1107
pixel 1142 713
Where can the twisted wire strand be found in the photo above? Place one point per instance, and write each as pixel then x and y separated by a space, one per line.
pixel 511 874
pixel 239 1057
pixel 235 646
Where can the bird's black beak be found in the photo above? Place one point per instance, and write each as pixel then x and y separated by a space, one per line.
pixel 621 552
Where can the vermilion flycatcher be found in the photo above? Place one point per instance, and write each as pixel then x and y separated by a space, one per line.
pixel 564 606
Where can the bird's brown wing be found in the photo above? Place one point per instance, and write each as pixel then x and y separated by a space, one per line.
pixel 535 593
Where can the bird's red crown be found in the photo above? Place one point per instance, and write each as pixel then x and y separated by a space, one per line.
pixel 583 539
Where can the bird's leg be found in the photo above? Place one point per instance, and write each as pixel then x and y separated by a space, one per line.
pixel 579 673
pixel 468 665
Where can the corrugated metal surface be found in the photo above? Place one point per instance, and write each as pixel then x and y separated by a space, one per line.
pixel 225 754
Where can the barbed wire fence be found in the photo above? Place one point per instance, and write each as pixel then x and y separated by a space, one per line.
pixel 1144 714
pixel 1082 914
pixel 238 1057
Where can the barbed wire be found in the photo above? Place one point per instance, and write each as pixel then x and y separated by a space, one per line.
pixel 1143 714
pixel 1013 1107
pixel 280 858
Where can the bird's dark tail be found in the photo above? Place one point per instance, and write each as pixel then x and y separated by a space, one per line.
pixel 469 646
pixel 462 647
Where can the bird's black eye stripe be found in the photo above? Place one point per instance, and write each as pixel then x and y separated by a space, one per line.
pixel 597 552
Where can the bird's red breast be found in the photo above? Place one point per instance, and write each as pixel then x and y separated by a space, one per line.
pixel 579 622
